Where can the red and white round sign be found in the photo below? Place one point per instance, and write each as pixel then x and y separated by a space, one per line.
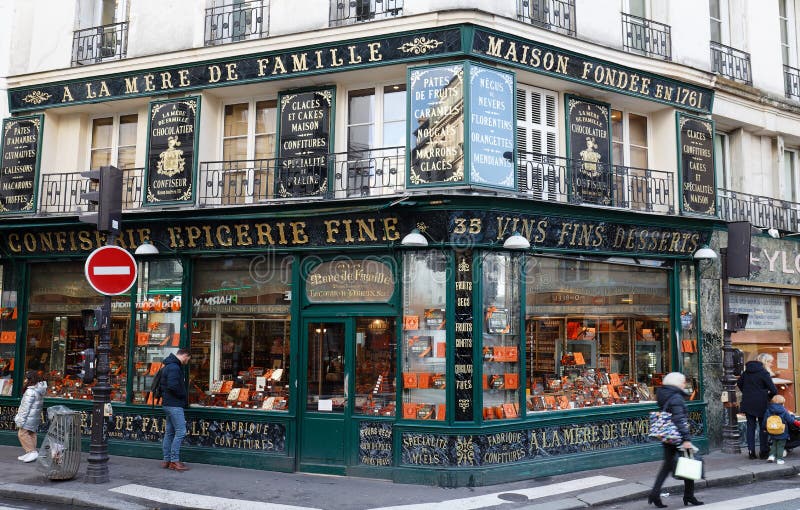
pixel 110 270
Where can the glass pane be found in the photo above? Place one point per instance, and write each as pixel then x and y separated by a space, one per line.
pixel 102 132
pixel 636 7
pixel 236 119
pixel 424 346
pixel 720 160
pixel 637 129
pixel 234 149
pixel 689 346
pixel 266 112
pixel 394 103
pixel 618 153
pixel 100 157
pixel 616 125
pixel 361 107
pixel 638 157
pixel 501 377
pixel 716 31
pixel 8 329
pixel 714 10
pixel 359 138
pixel 126 157
pixel 265 146
pixel 127 130
pixel 394 134
pixel 376 345
pixel 326 367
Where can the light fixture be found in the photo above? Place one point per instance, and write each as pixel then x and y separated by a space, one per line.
pixel 414 239
pixel 773 233
pixel 516 242
pixel 146 248
pixel 705 253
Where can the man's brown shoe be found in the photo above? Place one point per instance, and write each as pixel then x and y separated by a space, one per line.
pixel 165 464
pixel 178 466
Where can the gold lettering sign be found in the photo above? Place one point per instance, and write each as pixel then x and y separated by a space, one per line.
pixel 346 280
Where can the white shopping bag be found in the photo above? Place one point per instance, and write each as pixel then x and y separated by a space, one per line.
pixel 688 468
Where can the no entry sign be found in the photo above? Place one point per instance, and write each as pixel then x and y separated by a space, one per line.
pixel 110 270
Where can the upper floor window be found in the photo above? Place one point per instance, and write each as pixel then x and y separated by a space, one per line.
pixel 718 14
pixel 114 141
pixel 97 13
pixel 630 144
pixel 101 31
pixel 236 20
pixel 790 188
pixel 722 160
pixel 788 28
pixel 347 12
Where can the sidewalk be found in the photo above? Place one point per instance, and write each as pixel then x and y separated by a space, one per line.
pixel 143 476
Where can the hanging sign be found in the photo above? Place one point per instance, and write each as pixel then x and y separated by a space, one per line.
pixel 491 119
pixel 696 160
pixel 464 359
pixel 589 149
pixel 171 151
pixel 306 125
pixel 19 170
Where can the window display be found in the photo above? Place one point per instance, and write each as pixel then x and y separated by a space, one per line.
pixel 596 333
pixel 424 346
pixel 687 339
pixel 376 345
pixel 240 333
pixel 501 359
pixel 55 333
pixel 8 330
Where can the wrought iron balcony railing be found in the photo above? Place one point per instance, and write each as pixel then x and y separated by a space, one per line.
pixel 646 37
pixel 791 78
pixel 765 212
pixel 100 44
pixel 61 192
pixel 237 21
pixel 555 15
pixel 575 181
pixel 349 12
pixel 731 63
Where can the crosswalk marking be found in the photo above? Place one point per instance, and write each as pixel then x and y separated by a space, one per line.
pixel 199 501
pixel 488 500
pixel 758 500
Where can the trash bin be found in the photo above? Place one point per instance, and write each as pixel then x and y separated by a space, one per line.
pixel 60 454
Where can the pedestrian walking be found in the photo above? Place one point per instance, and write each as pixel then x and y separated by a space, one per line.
pixel 29 414
pixel 777 421
pixel 173 403
pixel 671 398
pixel 757 389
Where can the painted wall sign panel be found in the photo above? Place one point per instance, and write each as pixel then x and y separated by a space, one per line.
pixel 436 125
pixel 19 169
pixel 491 120
pixel 346 280
pixel 464 360
pixel 171 151
pixel 696 161
pixel 306 127
pixel 375 443
pixel 764 312
pixel 589 150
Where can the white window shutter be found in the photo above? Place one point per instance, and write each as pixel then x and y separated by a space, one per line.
pixel 537 138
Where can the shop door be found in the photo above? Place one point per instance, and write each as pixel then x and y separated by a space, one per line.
pixel 324 403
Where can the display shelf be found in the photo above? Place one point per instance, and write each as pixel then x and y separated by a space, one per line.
pixel 424 374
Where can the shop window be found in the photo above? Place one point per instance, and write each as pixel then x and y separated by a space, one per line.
pixel 501 345
pixel 114 141
pixel 537 141
pixel 248 149
pixel 375 139
pixel 158 322
pixel 8 329
pixel 376 345
pixel 424 346
pixel 688 345
pixel 55 335
pixel 600 340
pixel 240 333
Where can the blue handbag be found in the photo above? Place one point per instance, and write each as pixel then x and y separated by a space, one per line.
pixel 663 428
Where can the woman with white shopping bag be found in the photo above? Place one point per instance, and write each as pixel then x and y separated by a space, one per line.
pixel 671 399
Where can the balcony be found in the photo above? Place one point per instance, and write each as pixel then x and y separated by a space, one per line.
pixel 731 63
pixel 61 192
pixel 100 44
pixel 765 212
pixel 237 21
pixel 555 15
pixel 646 37
pixel 350 12
pixel 791 78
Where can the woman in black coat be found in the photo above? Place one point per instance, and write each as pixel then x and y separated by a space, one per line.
pixel 757 389
pixel 671 399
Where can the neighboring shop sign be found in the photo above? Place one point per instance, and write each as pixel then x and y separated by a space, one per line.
pixel 436 124
pixel 763 312
pixel 540 58
pixel 19 170
pixel 305 140
pixel 589 149
pixel 464 362
pixel 491 120
pixel 171 151
pixel 347 280
pixel 375 443
pixel 447 450
pixel 696 164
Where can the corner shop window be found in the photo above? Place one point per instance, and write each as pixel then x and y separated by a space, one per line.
pixel 596 333
pixel 500 336
pixel 376 345
pixel 687 339
pixel 55 334
pixel 158 322
pixel 240 333
pixel 424 347
pixel 8 329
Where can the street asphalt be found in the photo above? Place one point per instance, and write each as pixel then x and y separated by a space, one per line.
pixel 24 481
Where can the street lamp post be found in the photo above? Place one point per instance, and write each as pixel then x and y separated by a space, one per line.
pixel 730 428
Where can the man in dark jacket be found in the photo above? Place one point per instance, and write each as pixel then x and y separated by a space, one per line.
pixel 174 400
pixel 757 390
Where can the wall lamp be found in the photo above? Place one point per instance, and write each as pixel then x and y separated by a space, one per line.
pixel 516 242
pixel 148 248
pixel 413 239
pixel 705 253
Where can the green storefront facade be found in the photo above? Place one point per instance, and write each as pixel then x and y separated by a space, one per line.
pixel 321 340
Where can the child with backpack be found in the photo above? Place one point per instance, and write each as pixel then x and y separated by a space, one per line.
pixel 776 421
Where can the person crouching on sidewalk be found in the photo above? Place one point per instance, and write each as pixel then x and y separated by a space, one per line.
pixel 29 415
pixel 781 434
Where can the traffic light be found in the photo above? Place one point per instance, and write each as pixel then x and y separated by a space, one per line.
pixel 105 196
pixel 87 366
pixel 93 319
